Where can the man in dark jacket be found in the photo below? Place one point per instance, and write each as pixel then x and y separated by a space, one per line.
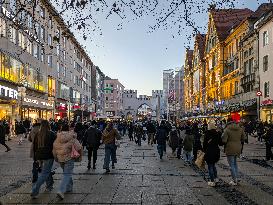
pixel 161 138
pixel 92 139
pixel 151 132
pixel 3 135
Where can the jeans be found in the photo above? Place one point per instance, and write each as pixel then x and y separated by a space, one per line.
pixel 67 181
pixel 92 151
pixel 187 156
pixel 212 172
pixel 110 151
pixel 232 161
pixel 160 149
pixel 179 149
pixel 44 177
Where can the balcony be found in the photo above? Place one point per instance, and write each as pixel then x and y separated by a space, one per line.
pixel 248 79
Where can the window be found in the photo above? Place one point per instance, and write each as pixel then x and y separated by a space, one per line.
pixel 35 50
pixel 37 29
pixel 251 65
pixel 64 73
pixel 3 28
pixel 71 76
pixel 58 33
pixel 106 98
pixel 265 38
pixel 64 55
pixel 29 21
pixel 29 46
pixel 265 63
pixel 51 86
pixel 50 22
pixel 266 89
pixel 49 40
pixel 250 51
pixel 12 34
pixel 42 12
pixel 236 85
pixel 246 67
pixel 245 54
pixel 21 40
pixel 213 61
pixel 49 61
pixel 58 69
pixel 42 36
pixel 64 41
pixel 106 105
pixel 42 54
pixel 58 49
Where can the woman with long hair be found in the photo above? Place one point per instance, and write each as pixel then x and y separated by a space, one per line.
pixel 42 152
pixel 62 149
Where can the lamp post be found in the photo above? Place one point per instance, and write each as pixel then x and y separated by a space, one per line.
pixel 22 94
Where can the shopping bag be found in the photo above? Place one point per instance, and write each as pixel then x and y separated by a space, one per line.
pixel 74 153
pixel 200 160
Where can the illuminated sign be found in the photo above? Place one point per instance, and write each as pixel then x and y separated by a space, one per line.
pixel 267 102
pixel 8 92
pixel 37 102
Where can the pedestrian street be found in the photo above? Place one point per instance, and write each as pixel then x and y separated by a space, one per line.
pixel 140 177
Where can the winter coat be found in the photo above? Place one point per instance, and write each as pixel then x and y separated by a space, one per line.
pixel 20 129
pixel 92 137
pixel 269 137
pixel 150 128
pixel 174 139
pixel 110 136
pixel 188 142
pixel 2 134
pixel 34 131
pixel 45 152
pixel 161 135
pixel 62 146
pixel 233 138
pixel 212 140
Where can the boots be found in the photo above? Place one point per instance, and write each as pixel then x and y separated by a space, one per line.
pixel 89 165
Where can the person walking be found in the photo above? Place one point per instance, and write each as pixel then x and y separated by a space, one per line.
pixel 161 138
pixel 109 136
pixel 197 145
pixel 188 145
pixel 151 132
pixel 20 131
pixel 173 139
pixel 63 146
pixel 138 134
pixel 92 139
pixel 35 165
pixel 233 137
pixel 131 131
pixel 42 151
pixel 212 141
pixel 269 142
pixel 3 136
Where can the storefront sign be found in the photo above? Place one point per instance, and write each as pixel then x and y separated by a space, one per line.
pixel 8 92
pixel 31 101
pixel 267 102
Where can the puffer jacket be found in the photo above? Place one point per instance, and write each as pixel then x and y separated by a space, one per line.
pixel 62 146
pixel 233 137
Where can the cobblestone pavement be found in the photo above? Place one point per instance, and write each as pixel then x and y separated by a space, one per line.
pixel 141 178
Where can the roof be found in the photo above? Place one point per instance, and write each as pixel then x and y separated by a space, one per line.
pixel 262 9
pixel 226 19
pixel 200 39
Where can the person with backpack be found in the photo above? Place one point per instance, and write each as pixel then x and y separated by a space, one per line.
pixel 161 137
pixel 173 139
pixel 92 139
pixel 42 152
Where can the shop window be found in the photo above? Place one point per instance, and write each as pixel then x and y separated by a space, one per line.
pixel 265 63
pixel 266 89
pixel 3 28
pixel 51 86
pixel 10 68
pixel 35 79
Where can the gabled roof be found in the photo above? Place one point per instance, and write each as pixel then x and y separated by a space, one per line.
pixel 226 19
pixel 261 10
pixel 200 40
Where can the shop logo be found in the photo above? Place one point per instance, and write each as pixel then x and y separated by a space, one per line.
pixel 267 102
pixel 8 92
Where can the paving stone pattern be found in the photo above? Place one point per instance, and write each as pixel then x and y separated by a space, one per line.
pixel 141 178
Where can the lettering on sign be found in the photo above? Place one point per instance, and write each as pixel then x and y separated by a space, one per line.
pixel 267 102
pixel 8 92
pixel 37 102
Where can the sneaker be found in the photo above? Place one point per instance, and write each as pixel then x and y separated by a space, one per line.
pixel 60 195
pixel 212 184
pixel 48 189
pixel 8 150
pixel 33 196
pixel 233 183
pixel 89 167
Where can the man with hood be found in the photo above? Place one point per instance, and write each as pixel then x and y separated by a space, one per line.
pixel 233 138
pixel 92 139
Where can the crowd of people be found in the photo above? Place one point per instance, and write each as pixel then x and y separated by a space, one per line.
pixel 64 142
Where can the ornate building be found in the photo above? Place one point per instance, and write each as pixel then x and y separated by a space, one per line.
pixel 188 82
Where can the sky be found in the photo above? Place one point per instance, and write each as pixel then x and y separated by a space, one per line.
pixel 136 57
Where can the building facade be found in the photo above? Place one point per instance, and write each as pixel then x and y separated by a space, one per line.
pixel 113 101
pixel 39 53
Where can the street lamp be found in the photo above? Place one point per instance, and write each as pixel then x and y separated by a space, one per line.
pixel 22 94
